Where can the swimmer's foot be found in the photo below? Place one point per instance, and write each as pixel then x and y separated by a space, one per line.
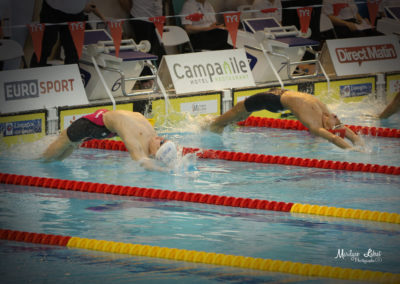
pixel 205 122
pixel 216 129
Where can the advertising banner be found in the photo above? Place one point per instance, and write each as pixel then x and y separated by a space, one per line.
pixel 179 108
pixel 364 55
pixel 349 90
pixel 210 70
pixel 38 88
pixel 22 128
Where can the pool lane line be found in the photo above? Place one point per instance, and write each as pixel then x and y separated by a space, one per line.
pixel 211 199
pixel 292 124
pixel 260 158
pixel 246 262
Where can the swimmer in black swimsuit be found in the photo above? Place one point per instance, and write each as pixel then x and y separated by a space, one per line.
pixel 310 111
pixel 135 130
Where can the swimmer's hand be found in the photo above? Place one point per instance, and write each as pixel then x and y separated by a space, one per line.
pixel 368 115
pixel 150 164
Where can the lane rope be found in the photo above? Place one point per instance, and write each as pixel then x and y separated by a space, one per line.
pixel 246 262
pixel 211 199
pixel 292 124
pixel 260 158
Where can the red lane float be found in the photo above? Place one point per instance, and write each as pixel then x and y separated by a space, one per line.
pixel 261 158
pixel 35 238
pixel 84 186
pixel 297 125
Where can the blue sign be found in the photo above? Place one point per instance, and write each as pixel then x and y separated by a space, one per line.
pixel 21 127
pixel 357 90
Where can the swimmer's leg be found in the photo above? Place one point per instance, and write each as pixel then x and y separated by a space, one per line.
pixel 235 114
pixel 59 149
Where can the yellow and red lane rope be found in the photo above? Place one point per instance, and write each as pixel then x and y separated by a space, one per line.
pixel 220 200
pixel 246 262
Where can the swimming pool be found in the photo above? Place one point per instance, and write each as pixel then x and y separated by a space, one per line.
pixel 280 236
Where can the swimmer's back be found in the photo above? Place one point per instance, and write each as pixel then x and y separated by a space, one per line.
pixel 123 119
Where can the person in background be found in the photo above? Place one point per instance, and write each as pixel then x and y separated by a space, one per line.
pixel 268 4
pixel 392 107
pixel 143 29
pixel 58 13
pixel 346 20
pixel 206 33
pixel 309 110
pixel 133 128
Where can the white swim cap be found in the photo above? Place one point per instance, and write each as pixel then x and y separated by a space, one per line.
pixel 167 153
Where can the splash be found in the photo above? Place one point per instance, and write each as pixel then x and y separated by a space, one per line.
pixel 26 151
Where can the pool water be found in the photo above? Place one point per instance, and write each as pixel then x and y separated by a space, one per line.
pixel 256 233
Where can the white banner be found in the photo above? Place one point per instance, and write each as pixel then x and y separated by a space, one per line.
pixel 365 55
pixel 38 88
pixel 200 107
pixel 210 70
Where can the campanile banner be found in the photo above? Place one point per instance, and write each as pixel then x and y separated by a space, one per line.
pixel 210 70
pixel 364 55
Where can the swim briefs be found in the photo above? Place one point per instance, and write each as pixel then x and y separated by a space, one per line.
pixel 89 127
pixel 260 101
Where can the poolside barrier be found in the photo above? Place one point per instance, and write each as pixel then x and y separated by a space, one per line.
pixel 211 199
pixel 297 125
pixel 298 268
pixel 261 158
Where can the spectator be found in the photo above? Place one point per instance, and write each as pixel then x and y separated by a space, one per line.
pixel 346 20
pixel 206 33
pixel 58 13
pixel 268 4
pixel 143 29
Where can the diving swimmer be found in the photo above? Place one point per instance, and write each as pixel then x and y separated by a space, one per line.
pixel 133 128
pixel 308 109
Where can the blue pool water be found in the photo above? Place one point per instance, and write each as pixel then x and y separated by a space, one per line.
pixel 267 234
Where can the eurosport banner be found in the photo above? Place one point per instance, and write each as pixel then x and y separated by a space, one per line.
pixel 38 88
pixel 365 55
pixel 210 70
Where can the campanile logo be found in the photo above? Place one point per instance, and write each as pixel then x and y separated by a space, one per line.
pixel 365 53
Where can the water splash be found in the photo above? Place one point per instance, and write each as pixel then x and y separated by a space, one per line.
pixel 26 150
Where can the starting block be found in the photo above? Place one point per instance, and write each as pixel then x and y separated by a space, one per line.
pixel 391 23
pixel 120 73
pixel 276 50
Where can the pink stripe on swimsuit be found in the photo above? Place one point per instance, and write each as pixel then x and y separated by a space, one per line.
pixel 97 117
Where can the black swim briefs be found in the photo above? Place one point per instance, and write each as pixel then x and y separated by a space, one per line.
pixel 84 129
pixel 260 101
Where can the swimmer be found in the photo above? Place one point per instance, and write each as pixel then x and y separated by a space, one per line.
pixel 391 108
pixel 135 130
pixel 309 110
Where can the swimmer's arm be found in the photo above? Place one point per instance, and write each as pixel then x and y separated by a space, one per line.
pixel 391 108
pixel 353 137
pixel 338 141
pixel 137 154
